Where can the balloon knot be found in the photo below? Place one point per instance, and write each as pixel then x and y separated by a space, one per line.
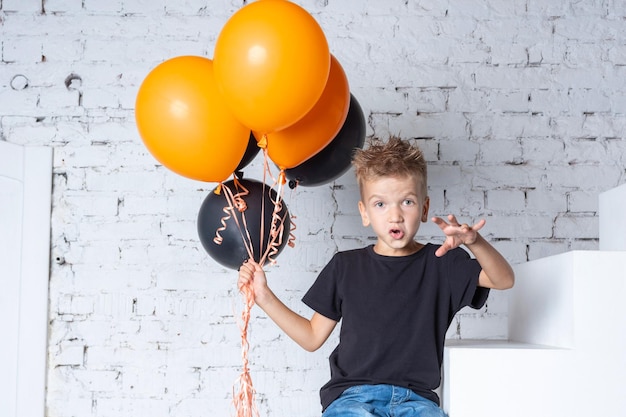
pixel 218 189
pixel 262 143
pixel 281 177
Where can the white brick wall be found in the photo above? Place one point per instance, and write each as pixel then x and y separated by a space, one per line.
pixel 520 108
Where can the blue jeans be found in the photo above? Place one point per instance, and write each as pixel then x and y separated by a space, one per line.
pixel 382 401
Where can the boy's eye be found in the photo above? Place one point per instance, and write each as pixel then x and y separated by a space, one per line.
pixel 408 202
pixel 379 204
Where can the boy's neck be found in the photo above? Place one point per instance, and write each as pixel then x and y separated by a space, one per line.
pixel 410 249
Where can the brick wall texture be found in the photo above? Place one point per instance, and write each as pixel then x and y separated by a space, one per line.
pixel 519 106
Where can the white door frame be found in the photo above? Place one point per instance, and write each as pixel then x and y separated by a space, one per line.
pixel 25 200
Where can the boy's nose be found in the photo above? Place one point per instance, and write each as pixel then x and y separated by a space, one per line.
pixel 395 215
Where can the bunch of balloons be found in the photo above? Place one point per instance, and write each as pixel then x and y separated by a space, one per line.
pixel 273 85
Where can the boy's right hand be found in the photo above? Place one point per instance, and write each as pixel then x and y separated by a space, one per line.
pixel 251 273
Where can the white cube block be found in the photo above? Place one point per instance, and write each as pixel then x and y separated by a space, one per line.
pixel 565 356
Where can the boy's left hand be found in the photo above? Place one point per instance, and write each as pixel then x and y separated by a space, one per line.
pixel 456 234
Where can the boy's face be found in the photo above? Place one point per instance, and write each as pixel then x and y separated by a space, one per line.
pixel 394 207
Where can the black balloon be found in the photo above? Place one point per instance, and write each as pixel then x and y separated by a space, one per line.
pixel 232 252
pixel 334 160
pixel 251 150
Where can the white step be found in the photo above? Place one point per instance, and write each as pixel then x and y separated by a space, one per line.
pixel 567 350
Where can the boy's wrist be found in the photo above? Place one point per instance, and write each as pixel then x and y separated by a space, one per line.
pixel 476 240
pixel 263 296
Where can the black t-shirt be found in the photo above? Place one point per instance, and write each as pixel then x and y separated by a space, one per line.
pixel 395 312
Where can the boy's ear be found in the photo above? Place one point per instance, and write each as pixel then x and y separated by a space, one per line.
pixel 364 219
pixel 425 209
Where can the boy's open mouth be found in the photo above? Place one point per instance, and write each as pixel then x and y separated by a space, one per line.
pixel 396 233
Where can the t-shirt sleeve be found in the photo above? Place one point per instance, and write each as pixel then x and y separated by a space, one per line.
pixel 324 295
pixel 480 297
pixel 464 272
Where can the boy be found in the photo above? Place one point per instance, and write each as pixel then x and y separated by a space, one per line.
pixel 396 298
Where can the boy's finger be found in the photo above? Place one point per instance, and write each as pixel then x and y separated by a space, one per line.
pixel 439 222
pixel 479 225
pixel 249 267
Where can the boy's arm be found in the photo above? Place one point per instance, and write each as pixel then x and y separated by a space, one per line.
pixel 496 272
pixel 309 334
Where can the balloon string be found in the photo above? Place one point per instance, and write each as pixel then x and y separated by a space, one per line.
pixel 271 245
pixel 240 203
pixel 277 226
pixel 292 226
pixel 277 238
pixel 243 391
pixel 218 239
pixel 277 222
pixel 229 209
pixel 242 207
pixel 263 145
pixel 262 227
pixel 235 201
pixel 244 397
pixel 292 236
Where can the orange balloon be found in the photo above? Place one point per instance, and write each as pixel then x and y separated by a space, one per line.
pixel 271 63
pixel 183 120
pixel 292 146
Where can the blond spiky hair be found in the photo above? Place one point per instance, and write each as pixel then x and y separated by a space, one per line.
pixel 394 158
